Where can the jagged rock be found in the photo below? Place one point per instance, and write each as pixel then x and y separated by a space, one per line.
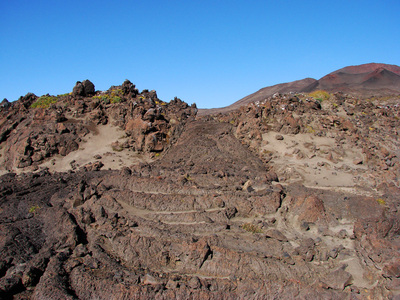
pixel 248 186
pixel 194 283
pixel 151 280
pixel 85 88
pixel 392 270
pixel 88 87
pixel 79 89
pixel 5 103
pixel 129 88
pixel 337 279
pixel 385 152
pixel 309 209
pixel 272 176
pixel 96 166
pixel 276 234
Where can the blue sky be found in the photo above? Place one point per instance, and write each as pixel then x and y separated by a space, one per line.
pixel 212 53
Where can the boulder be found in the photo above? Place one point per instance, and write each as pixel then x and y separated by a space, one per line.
pixel 128 88
pixel 337 279
pixel 276 234
pixel 79 89
pixel 27 100
pixel 309 209
pixel 392 270
pixel 271 176
pixel 84 89
pixel 88 87
pixel 5 103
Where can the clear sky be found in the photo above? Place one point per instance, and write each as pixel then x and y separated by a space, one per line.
pixel 212 53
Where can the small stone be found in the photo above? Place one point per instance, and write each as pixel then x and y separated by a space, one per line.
pixel 276 234
pixel 248 186
pixel 150 280
pixel 392 270
pixel 171 284
pixel 385 152
pixel 279 137
pixel 342 234
pixel 80 251
pixel 330 157
pixel 194 283
pixel 304 226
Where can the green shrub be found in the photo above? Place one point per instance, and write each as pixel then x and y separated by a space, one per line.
pixel 44 102
pixel 34 208
pixel 320 95
pixel 115 99
pixel 251 228
pixel 117 148
pixel 113 96
pixel 381 201
pixel 310 129
pixel 63 95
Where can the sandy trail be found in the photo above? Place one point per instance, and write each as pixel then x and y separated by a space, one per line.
pixel 312 160
pixel 98 143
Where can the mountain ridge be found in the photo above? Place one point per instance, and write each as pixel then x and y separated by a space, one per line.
pixel 366 80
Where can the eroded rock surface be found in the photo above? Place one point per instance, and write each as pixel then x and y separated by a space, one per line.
pixel 211 217
pixel 35 129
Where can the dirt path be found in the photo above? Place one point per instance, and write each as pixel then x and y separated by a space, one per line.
pixel 312 160
pixel 98 143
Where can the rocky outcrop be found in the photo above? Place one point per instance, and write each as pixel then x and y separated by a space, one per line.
pixel 218 213
pixel 58 128
pixel 84 88
pixel 351 122
pixel 206 220
pixel 5 104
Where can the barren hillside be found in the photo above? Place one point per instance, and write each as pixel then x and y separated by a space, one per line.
pixel 119 195
pixel 364 81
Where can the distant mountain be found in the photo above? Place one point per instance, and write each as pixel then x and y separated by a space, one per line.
pixel 298 85
pixel 361 80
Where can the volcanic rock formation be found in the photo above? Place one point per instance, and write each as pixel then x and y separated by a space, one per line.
pixel 119 195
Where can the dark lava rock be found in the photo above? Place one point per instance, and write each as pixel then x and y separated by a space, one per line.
pixel 85 88
pixel 88 87
pixel 79 89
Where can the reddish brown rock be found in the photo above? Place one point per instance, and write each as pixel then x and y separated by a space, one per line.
pixel 309 209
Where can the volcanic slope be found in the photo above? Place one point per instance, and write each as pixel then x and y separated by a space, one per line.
pixel 206 220
pixel 293 197
pixel 365 81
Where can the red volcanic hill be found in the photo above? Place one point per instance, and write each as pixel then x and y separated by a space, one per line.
pixel 367 68
pixel 365 80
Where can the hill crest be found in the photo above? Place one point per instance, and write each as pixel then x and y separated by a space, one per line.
pixel 366 80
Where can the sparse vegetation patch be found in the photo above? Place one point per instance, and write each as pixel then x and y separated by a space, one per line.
pixel 320 95
pixel 115 96
pixel 33 209
pixel 44 102
pixel 251 228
